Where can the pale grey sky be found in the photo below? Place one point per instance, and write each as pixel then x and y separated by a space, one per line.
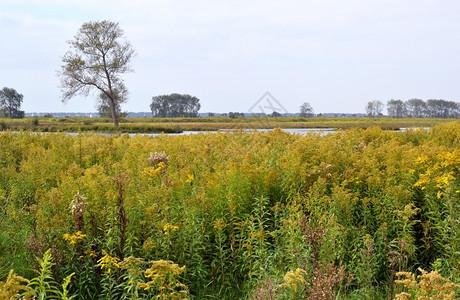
pixel 335 54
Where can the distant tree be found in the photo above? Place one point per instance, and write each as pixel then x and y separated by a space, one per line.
pixel 275 114
pixel 10 103
pixel 374 108
pixel 175 105
pixel 306 110
pixel 98 55
pixel 396 108
pixel 416 108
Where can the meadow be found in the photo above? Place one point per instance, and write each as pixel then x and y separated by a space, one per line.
pixel 358 214
pixel 177 125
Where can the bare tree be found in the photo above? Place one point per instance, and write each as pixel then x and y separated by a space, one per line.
pixel 98 55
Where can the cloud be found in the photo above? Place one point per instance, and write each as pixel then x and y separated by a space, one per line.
pixel 226 50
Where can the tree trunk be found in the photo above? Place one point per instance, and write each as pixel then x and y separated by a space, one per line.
pixel 114 112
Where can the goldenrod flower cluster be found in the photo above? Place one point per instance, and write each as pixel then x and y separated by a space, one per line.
pixel 153 172
pixel 294 279
pixel 168 228
pixel 73 238
pixel 108 262
pixel 430 286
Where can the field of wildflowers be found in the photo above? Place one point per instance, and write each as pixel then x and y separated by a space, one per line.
pixel 359 214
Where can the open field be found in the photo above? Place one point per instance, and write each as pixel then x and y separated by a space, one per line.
pixel 171 125
pixel 231 215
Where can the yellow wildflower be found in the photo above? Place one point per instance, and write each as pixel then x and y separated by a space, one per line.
pixel 449 158
pixel 108 262
pixel 144 286
pixel 428 284
pixel 294 279
pixel 168 228
pixel 422 182
pixel 73 238
pixel 190 178
pixel 151 172
pixel 421 159
pixel 90 253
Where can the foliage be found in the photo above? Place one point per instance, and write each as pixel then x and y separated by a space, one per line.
pixel 234 215
pixel 396 108
pixel 374 108
pixel 97 57
pixel 417 108
pixel 306 110
pixel 10 103
pixel 175 105
pixel 103 106
pixel 43 285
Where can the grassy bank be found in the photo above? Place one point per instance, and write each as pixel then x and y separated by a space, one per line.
pixel 171 125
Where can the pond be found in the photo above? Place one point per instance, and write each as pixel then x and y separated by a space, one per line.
pixel 302 131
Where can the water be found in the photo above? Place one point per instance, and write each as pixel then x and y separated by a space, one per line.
pixel 301 131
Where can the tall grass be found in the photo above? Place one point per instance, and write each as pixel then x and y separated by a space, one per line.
pixel 232 215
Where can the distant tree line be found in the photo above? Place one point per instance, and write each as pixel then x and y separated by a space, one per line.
pixel 415 108
pixel 10 103
pixel 234 115
pixel 175 105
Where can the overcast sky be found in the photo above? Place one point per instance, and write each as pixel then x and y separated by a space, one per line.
pixel 335 54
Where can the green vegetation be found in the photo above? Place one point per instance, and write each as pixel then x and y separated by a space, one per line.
pixel 175 105
pixel 10 103
pixel 171 125
pixel 359 214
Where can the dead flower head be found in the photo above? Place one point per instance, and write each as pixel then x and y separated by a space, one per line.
pixel 157 157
